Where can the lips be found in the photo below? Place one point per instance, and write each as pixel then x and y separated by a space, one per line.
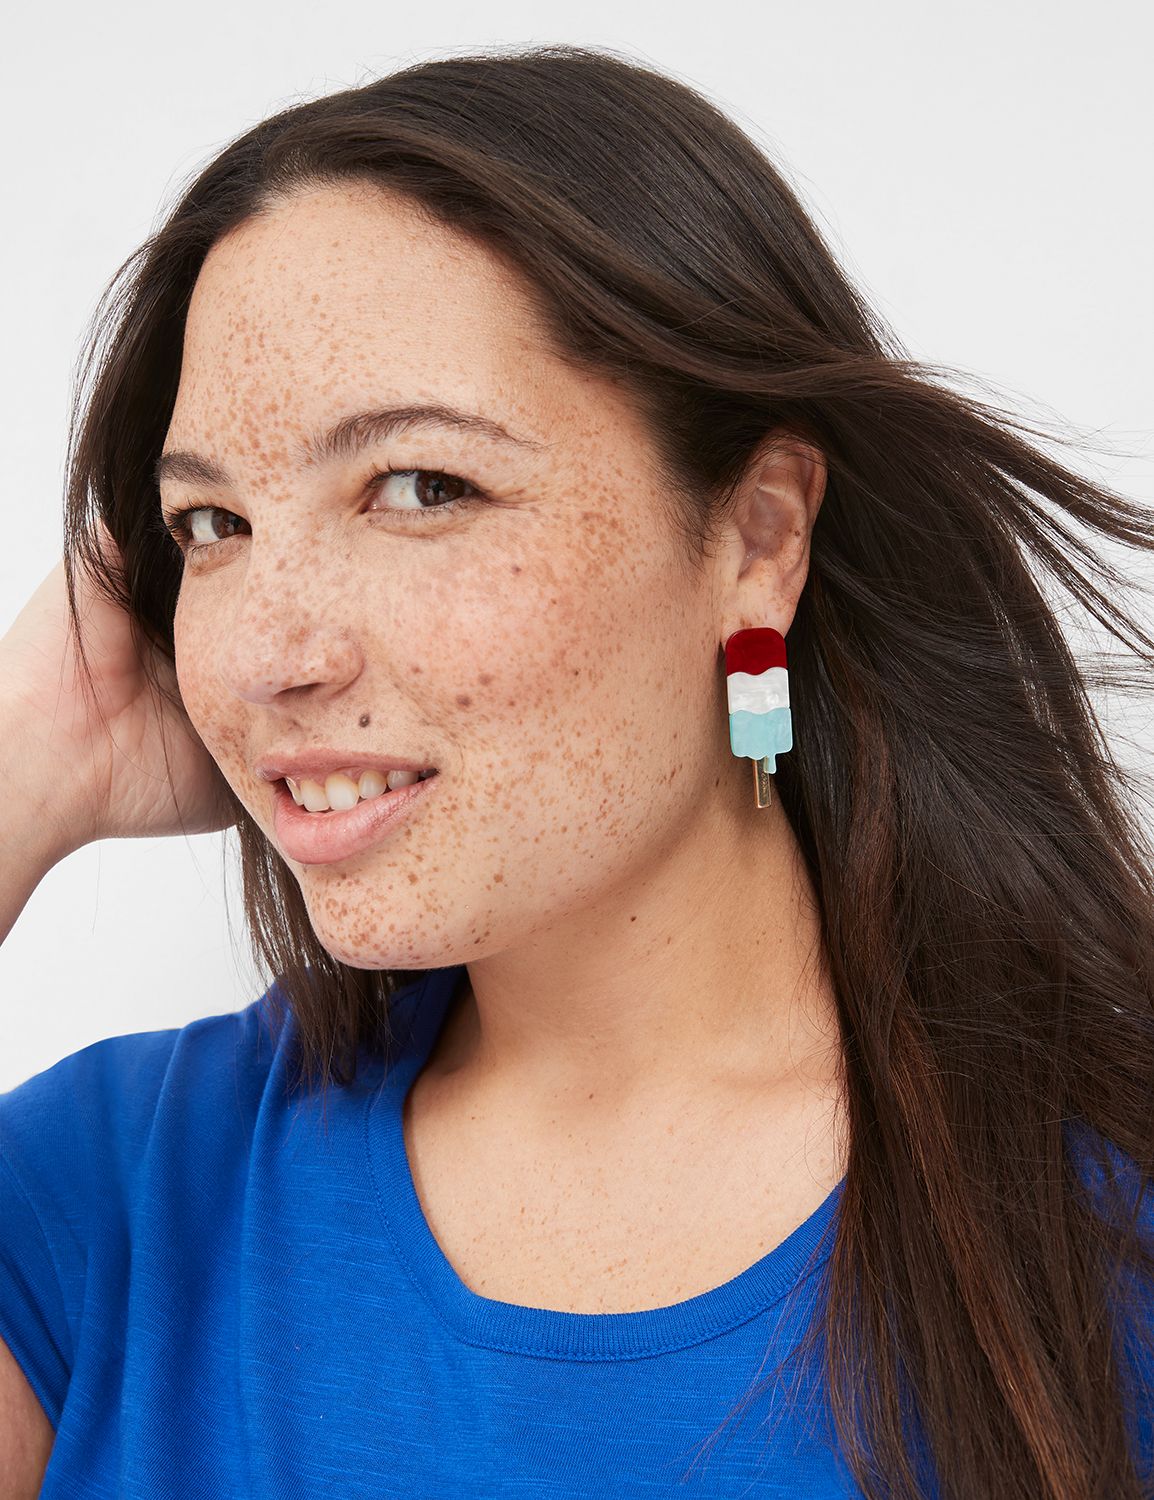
pixel 327 837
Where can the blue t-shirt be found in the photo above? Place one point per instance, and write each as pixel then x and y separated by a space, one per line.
pixel 219 1290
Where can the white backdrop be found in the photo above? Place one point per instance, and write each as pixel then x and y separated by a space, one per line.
pixel 983 171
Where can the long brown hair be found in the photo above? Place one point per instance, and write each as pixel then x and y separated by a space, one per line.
pixel 986 892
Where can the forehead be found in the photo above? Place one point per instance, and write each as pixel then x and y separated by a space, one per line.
pixel 340 296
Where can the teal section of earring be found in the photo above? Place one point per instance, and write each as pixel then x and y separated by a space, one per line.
pixel 761 735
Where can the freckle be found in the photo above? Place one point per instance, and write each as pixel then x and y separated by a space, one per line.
pixel 412 877
pixel 516 567
pixel 498 878
pixel 463 700
pixel 633 919
pixel 486 678
pixel 415 668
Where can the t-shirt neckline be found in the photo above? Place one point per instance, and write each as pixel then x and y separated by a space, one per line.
pixel 488 1322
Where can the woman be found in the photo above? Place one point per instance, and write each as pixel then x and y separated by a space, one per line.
pixel 505 423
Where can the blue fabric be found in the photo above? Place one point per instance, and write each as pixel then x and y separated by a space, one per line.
pixel 216 1290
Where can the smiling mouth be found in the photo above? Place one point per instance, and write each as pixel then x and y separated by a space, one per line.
pixel 341 791
pixel 330 835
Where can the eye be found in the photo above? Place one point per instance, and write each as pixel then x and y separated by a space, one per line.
pixel 440 479
pixel 190 536
pixel 180 525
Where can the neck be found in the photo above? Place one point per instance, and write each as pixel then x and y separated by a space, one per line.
pixel 704 975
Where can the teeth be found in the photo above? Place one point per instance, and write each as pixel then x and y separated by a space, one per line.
pixel 340 792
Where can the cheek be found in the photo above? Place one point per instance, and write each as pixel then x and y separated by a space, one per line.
pixel 577 712
pixel 516 648
pixel 574 667
pixel 203 703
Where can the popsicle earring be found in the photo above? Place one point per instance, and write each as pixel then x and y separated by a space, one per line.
pixel 757 683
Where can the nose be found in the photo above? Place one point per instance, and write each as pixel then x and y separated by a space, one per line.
pixel 286 636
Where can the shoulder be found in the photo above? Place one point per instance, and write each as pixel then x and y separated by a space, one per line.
pixel 79 1131
pixel 120 1079
pixel 99 1151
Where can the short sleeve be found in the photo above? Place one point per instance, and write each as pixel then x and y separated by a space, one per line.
pixel 72 1142
pixel 33 1319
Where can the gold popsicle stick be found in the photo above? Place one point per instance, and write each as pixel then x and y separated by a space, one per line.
pixel 763 782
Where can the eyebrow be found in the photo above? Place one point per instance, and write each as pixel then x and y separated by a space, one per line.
pixel 345 439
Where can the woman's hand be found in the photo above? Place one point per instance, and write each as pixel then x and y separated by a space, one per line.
pixel 97 769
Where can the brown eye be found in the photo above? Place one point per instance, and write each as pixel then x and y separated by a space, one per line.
pixel 191 537
pixel 431 489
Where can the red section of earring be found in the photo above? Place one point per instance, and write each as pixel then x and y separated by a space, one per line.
pixel 754 650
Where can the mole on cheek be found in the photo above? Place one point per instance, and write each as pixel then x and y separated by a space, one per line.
pixel 364 721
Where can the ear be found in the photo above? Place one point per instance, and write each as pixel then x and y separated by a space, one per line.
pixel 763 560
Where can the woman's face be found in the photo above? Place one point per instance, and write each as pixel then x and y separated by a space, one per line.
pixel 545 645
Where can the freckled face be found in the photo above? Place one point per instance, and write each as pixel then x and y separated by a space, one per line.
pixel 545 645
